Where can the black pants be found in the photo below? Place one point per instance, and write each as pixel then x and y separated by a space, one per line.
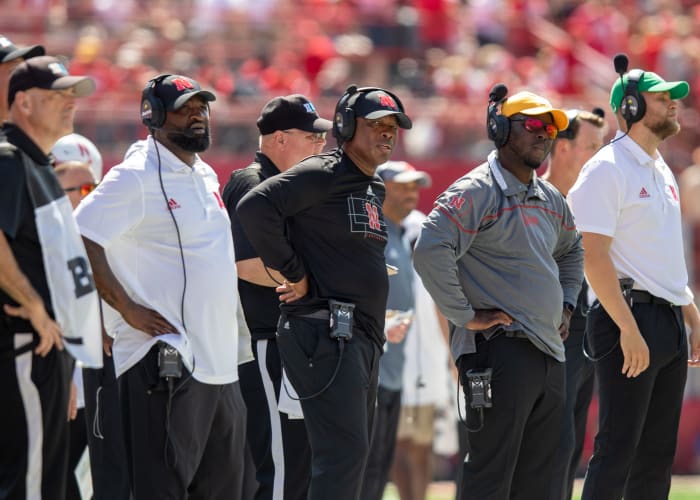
pixel 201 455
pixel 279 445
pixel 34 423
pixel 639 417
pixel 110 474
pixel 381 452
pixel 339 420
pixel 579 391
pixel 512 456
pixel 76 448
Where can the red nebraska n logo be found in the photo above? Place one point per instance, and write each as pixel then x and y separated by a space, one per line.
pixel 182 84
pixel 456 202
pixel 386 101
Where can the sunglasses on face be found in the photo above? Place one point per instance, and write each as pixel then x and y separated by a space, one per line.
pixel 534 125
pixel 84 189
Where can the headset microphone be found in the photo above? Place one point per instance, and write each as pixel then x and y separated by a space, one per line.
pixel 498 92
pixel 621 63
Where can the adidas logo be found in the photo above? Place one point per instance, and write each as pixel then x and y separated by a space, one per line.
pixel 369 191
pixel 172 204
pixel 643 193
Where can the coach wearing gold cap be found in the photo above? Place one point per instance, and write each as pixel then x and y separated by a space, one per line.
pixel 502 259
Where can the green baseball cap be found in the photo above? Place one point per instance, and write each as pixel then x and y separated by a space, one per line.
pixel 649 82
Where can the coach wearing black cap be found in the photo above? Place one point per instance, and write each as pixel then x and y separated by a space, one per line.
pixel 46 289
pixel 10 57
pixel 290 130
pixel 159 239
pixel 320 225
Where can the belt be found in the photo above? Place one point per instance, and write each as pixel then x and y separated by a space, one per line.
pixel 516 334
pixel 511 334
pixel 319 314
pixel 644 297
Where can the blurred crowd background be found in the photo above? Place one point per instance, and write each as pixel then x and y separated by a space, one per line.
pixel 440 56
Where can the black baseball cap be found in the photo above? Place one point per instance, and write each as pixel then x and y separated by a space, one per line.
pixel 176 90
pixel 291 111
pixel 9 51
pixel 47 72
pixel 377 104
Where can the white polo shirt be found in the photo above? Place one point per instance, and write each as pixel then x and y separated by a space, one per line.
pixel 625 194
pixel 128 217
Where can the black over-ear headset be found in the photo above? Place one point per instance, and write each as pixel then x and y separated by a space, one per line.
pixel 344 120
pixel 633 106
pixel 497 125
pixel 152 108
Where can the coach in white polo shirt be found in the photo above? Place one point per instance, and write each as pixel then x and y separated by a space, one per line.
pixel 626 205
pixel 158 236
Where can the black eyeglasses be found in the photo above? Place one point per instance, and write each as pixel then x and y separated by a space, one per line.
pixel 85 189
pixel 534 125
pixel 314 137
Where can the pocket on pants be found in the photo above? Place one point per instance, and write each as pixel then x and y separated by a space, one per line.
pixel 602 334
pixel 308 355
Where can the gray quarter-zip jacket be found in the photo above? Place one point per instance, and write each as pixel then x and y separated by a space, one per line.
pixel 492 242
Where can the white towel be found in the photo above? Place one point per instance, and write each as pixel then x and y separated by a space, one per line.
pixel 289 399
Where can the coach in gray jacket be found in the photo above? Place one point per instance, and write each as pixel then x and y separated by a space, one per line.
pixel 502 259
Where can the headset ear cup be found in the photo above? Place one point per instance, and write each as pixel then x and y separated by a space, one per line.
pixel 498 127
pixel 633 106
pixel 503 130
pixel 349 124
pixel 158 112
pixel 152 108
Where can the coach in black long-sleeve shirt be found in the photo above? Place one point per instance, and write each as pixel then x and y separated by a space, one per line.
pixel 320 224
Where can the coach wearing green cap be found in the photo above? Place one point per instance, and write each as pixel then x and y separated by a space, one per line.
pixel 626 206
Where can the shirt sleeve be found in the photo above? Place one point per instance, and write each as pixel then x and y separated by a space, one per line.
pixel 264 210
pixel 445 237
pixel 115 206
pixel 596 198
pixel 568 254
pixel 238 185
pixel 13 194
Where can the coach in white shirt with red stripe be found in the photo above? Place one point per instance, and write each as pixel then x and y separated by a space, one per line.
pixel 159 237
pixel 626 205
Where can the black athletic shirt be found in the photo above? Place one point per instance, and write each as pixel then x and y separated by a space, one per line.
pixel 261 304
pixel 323 218
pixel 17 217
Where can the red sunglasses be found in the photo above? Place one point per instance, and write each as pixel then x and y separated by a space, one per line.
pixel 85 188
pixel 534 125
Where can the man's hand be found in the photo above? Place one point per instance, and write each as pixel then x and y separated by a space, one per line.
pixel 397 333
pixel 107 342
pixel 635 351
pixel 691 316
pixel 565 323
pixel 694 358
pixel 486 318
pixel 73 401
pixel 290 292
pixel 49 331
pixel 147 320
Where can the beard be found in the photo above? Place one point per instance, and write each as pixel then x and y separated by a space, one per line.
pixel 193 144
pixel 533 163
pixel 664 128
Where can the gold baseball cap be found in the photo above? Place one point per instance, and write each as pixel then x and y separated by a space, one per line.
pixel 530 104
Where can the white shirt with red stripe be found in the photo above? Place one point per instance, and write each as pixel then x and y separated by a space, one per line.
pixel 625 194
pixel 127 215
